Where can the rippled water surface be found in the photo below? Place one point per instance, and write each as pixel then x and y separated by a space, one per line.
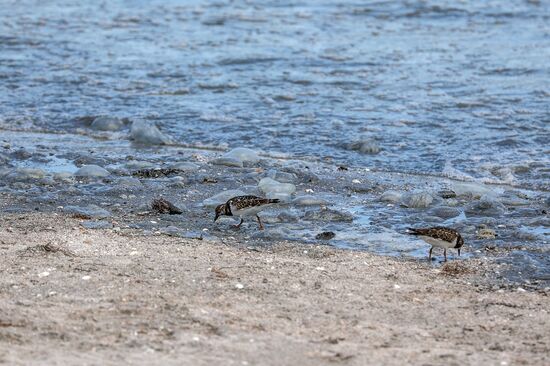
pixel 456 88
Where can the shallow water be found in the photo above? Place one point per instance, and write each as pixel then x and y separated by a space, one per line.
pixel 433 89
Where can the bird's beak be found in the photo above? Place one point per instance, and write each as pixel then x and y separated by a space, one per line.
pixel 215 218
pixel 459 252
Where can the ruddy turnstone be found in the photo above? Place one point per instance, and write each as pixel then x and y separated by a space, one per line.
pixel 243 206
pixel 440 237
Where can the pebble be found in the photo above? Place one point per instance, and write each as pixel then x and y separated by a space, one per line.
pixel 86 278
pixel 325 235
pixel 92 171
pixel 239 286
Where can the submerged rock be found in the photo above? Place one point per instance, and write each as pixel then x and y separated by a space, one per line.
pixel 221 197
pixel 105 123
pixel 391 196
pixel 417 200
pixel 91 171
pixel 88 212
pixel 309 201
pixel 486 206
pixel 366 146
pixel 145 133
pixel 326 214
pixel 446 212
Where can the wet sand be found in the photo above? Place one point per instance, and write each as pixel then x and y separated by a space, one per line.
pixel 70 295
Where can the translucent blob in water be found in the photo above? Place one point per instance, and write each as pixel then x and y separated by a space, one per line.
pixel 105 123
pixel 309 201
pixel 145 133
pixel 221 197
pixel 275 189
pixel 243 155
pixel 91 171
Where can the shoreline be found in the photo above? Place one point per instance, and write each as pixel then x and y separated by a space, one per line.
pixel 105 297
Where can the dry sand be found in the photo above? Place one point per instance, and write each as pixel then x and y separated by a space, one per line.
pixel 96 297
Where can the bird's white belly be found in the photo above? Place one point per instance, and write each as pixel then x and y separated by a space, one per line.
pixel 249 211
pixel 438 242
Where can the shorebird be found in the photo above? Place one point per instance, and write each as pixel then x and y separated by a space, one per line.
pixel 440 237
pixel 243 206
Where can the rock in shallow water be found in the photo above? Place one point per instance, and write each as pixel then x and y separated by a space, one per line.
pixel 325 235
pixel 221 197
pixel 486 206
pixel 366 146
pixel 92 171
pixel 309 201
pixel 446 212
pixel 328 215
pixel 145 133
pixel 417 200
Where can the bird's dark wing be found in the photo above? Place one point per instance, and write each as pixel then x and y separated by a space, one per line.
pixel 442 233
pixel 243 202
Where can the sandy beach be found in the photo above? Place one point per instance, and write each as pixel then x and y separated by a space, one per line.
pixel 70 295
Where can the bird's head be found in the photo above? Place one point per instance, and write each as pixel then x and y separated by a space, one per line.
pixel 220 210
